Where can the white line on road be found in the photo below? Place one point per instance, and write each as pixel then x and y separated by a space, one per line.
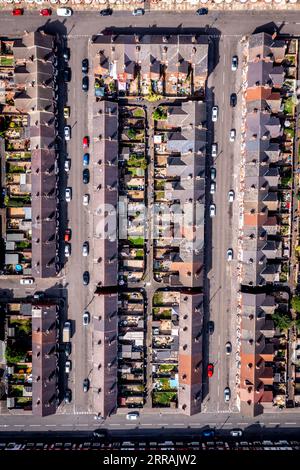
pixel 115 424
pixel 66 424
pixel 227 424
pixel 274 424
pixel 19 425
pixel 243 424
pixel 50 425
pixel 290 424
pixel 34 425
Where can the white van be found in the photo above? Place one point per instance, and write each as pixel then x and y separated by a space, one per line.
pixel 25 281
pixel 64 12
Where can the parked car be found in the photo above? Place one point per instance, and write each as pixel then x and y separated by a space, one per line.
pixel 67 236
pixel 138 12
pixel 228 348
pixel 86 159
pixel 231 195
pixel 212 210
pixel 68 366
pixel 85 199
pixel 229 254
pixel 46 12
pixel 67 74
pixel 86 385
pixel 67 165
pixel 208 433
pixel 67 250
pixel 236 433
pixel 210 370
pixel 106 12
pixel 26 281
pixel 227 394
pixel 85 83
pixel 68 349
pixel 133 415
pixel 68 396
pixel 17 12
pixel 232 135
pixel 86 176
pixel 212 187
pixel 66 112
pixel 66 54
pixel 64 12
pixel 214 150
pixel 215 112
pixel 85 142
pixel 67 132
pixel 86 278
pixel 213 173
pixel 39 295
pixel 85 318
pixel 234 63
pixel 85 249
pixel 202 11
pixel 233 100
pixel 210 327
pixel 85 66
pixel 68 194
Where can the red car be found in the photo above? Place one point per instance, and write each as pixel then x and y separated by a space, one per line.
pixel 210 370
pixel 85 142
pixel 46 12
pixel 67 236
pixel 17 11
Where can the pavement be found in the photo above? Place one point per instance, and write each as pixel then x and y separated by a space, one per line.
pixel 226 29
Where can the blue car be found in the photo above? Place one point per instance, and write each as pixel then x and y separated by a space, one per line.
pixel 208 433
pixel 86 159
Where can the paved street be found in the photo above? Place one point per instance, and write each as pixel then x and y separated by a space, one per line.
pixel 226 29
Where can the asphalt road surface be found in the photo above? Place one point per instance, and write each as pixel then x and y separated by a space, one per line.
pixel 226 29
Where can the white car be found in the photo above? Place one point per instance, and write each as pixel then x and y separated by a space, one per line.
pixel 138 12
pixel 67 250
pixel 68 194
pixel 231 195
pixel 85 249
pixel 234 63
pixel 64 12
pixel 133 416
pixel 67 165
pixel 67 132
pixel 85 318
pixel 26 281
pixel 227 394
pixel 85 199
pixel 228 348
pixel 236 433
pixel 214 150
pixel 232 135
pixel 212 187
pixel 212 210
pixel 229 254
pixel 214 116
pixel 68 366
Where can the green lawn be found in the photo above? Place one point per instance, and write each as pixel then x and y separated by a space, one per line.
pixel 138 112
pixel 140 253
pixel 163 398
pixel 136 241
pixel 6 61
pixel 290 133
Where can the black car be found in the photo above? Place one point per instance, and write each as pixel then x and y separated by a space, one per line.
pixel 85 83
pixel 233 100
pixel 67 74
pixel 106 12
pixel 86 385
pixel 101 433
pixel 68 396
pixel 86 278
pixel 86 176
pixel 85 66
pixel 68 349
pixel 202 11
pixel 210 327
pixel 66 54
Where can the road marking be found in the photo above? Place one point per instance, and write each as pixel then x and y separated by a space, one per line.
pixel 19 425
pixel 274 424
pixel 113 424
pixel 84 424
pixel 34 425
pixel 290 424
pixel 48 425
pixel 227 424
pixel 66 424
pixel 243 424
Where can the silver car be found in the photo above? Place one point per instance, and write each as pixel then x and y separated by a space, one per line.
pixel 68 194
pixel 214 116
pixel 212 210
pixel 212 187
pixel 85 318
pixel 85 249
pixel 67 132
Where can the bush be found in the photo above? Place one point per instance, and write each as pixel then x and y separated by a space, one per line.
pixel 13 354
pixel 160 114
pixel 283 322
pixel 296 303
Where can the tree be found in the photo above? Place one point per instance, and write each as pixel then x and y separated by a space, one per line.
pixel 283 322
pixel 131 134
pixel 13 354
pixel 159 114
pixel 296 303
